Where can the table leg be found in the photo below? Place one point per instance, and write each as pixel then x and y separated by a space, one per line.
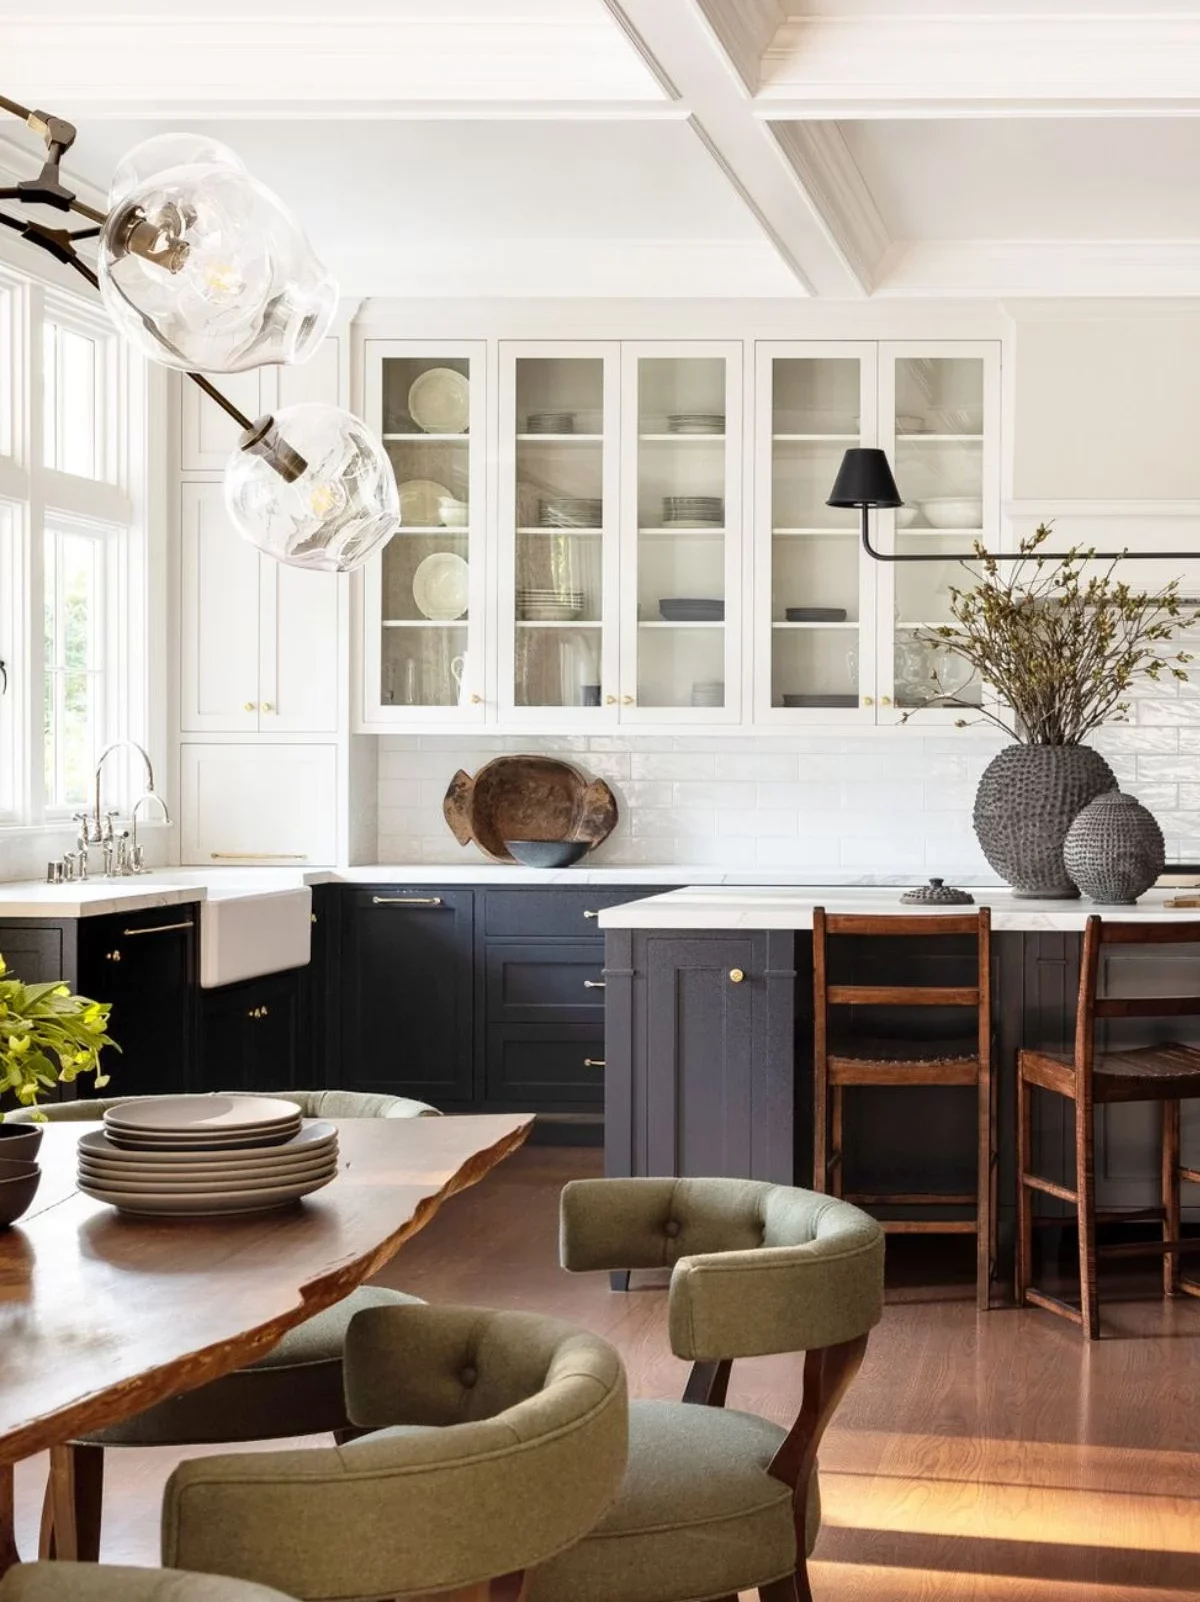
pixel 8 1539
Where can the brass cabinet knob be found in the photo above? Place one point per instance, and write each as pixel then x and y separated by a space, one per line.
pixel 267 707
pixel 253 1013
pixel 249 707
pixel 593 1062
pixel 477 700
pixel 736 976
pixel 885 700
pixel 112 956
pixel 610 700
pixel 628 700
pixel 868 700
pixel 264 1011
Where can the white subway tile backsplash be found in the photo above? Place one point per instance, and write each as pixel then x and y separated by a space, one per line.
pixel 890 803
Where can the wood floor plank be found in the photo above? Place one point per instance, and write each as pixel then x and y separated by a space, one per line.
pixel 979 1457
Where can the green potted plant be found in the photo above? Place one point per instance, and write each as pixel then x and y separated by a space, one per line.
pixel 1058 643
pixel 48 1037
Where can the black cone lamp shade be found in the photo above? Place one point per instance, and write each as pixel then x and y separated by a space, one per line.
pixel 865 479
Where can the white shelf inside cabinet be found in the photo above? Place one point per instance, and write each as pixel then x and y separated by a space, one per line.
pixel 682 439
pixel 426 439
pixel 850 623
pixel 558 623
pixel 819 533
pixel 822 439
pixel 425 622
pixel 940 439
pixel 943 533
pixel 537 528
pixel 716 623
pixel 560 439
pixel 427 529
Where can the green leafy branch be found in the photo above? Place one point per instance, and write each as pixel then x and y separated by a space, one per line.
pixel 1058 641
pixel 47 1037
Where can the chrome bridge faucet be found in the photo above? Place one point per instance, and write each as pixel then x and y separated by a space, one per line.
pixel 122 853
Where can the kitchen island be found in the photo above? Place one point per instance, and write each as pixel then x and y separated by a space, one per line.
pixel 708 1038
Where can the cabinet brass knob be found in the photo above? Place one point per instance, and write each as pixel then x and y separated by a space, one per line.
pixel 736 975
pixel 885 700
pixel 267 707
pixel 249 707
pixel 112 956
pixel 253 1013
pixel 593 1062
pixel 868 700
pixel 477 700
pixel 263 1011
pixel 628 700
pixel 610 700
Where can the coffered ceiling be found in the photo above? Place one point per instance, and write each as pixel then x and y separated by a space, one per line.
pixel 836 148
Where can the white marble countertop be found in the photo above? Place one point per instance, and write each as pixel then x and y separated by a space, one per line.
pixel 751 907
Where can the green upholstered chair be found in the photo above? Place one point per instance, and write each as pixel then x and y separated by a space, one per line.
pixel 296 1389
pixel 716 1501
pixel 88 1582
pixel 498 1439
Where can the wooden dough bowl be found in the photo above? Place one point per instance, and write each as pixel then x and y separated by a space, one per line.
pixel 527 798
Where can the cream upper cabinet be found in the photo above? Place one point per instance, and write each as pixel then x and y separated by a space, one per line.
pixel 424 597
pixel 207 434
pixel 264 803
pixel 259 642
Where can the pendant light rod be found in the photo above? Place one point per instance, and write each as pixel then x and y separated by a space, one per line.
pixel 865 481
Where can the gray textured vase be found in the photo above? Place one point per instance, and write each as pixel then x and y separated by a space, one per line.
pixel 1114 850
pixel 1028 798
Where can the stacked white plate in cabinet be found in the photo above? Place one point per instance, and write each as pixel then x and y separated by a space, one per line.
pixel 196 1156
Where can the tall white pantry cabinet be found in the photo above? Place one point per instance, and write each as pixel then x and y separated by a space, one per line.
pixel 262 662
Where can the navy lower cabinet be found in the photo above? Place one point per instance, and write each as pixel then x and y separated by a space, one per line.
pixel 406 991
pixel 254 1036
pixel 700 1053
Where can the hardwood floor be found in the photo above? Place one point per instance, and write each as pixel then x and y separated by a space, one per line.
pixel 979 1457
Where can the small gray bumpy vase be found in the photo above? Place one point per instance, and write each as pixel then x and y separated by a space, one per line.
pixel 1114 850
pixel 1027 800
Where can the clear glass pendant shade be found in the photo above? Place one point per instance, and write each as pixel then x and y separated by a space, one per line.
pixel 336 512
pixel 203 268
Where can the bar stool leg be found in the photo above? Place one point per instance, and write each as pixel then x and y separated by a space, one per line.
pixel 1024 1252
pixel 1085 1212
pixel 984 1214
pixel 1172 1267
pixel 837 1178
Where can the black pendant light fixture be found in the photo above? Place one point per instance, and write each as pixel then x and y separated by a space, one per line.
pixel 865 480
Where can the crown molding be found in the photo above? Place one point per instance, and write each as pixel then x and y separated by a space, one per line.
pixel 1010 269
pixel 744 30
pixel 981 66
pixel 164 66
pixel 830 176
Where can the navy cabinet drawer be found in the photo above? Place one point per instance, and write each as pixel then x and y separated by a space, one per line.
pixel 526 980
pixel 545 1068
pixel 558 912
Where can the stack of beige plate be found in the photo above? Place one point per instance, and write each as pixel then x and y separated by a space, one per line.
pixel 199 1155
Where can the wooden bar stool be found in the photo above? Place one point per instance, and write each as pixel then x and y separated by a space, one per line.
pixel 841 1060
pixel 1168 1073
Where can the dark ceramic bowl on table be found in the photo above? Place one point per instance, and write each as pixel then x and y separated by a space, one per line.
pixel 20 1142
pixel 18 1186
pixel 547 853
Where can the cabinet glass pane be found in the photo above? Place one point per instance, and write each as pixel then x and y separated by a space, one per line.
pixel 681 483
pixel 561 523
pixel 939 442
pixel 922 667
pixel 814 547
pixel 425 566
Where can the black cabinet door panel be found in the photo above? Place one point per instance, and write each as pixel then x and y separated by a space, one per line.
pixel 545 1068
pixel 560 911
pixel 144 963
pixel 252 1035
pixel 544 982
pixel 407 993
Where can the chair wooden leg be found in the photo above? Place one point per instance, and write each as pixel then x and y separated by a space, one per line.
pixel 1024 1251
pixel 778 1591
pixel 71 1512
pixel 837 1177
pixel 984 1211
pixel 1170 1195
pixel 820 1172
pixel 1085 1212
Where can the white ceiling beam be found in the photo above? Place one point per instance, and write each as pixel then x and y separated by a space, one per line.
pixel 677 36
pixel 172 67
pixel 832 68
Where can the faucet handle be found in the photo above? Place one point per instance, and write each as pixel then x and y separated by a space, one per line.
pixel 106 828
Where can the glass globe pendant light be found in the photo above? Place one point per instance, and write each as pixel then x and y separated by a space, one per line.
pixel 203 267
pixel 312 487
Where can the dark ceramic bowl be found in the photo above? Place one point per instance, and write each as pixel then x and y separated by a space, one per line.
pixel 19 1142
pixel 18 1186
pixel 547 853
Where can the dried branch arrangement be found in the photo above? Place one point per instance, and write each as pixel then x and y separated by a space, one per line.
pixel 1059 646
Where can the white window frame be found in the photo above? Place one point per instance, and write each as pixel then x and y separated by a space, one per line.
pixel 120 499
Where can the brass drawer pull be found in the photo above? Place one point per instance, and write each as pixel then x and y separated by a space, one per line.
pixel 258 856
pixel 593 984
pixel 406 901
pixel 594 1062
pixel 159 928
pixel 736 976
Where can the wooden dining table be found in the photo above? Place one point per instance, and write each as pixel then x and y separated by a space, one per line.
pixel 103 1314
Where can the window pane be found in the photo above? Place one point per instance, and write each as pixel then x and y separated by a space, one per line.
pixel 74 681
pixel 70 400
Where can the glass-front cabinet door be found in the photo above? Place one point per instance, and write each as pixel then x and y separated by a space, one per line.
pixel 424 594
pixel 815 594
pixel 939 408
pixel 559 533
pixel 681 521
